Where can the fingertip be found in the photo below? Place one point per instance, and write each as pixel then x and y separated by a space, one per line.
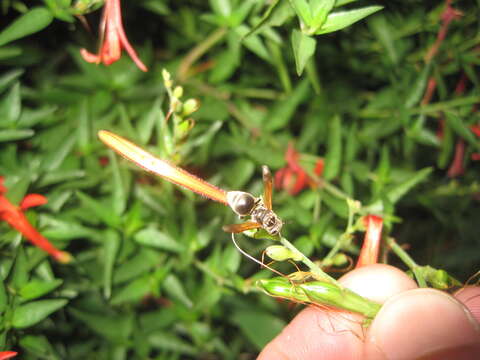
pixel 423 323
pixel 470 297
pixel 378 282
pixel 317 332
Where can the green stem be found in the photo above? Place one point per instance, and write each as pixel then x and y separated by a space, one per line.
pixel 403 255
pixel 198 51
pixel 315 269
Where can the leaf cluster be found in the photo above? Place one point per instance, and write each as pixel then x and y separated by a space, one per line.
pixel 154 277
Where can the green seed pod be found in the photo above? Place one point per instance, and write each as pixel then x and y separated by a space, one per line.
pixel 281 253
pixel 322 293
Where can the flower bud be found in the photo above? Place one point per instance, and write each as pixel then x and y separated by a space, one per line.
pixel 178 92
pixel 281 253
pixel 190 106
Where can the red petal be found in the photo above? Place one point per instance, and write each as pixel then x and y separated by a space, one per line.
pixel 300 183
pixel 371 242
pixel 291 156
pixel 476 156
pixel 319 167
pixel 32 200
pixel 4 355
pixel 278 178
pixel 475 129
pixel 89 57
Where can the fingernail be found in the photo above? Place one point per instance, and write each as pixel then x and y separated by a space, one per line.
pixel 423 324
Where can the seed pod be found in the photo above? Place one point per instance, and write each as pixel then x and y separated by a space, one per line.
pixel 322 293
pixel 281 253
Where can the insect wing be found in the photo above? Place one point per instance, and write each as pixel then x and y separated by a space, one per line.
pixel 267 187
pixel 238 228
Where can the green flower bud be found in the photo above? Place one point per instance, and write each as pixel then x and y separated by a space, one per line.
pixel 281 253
pixel 167 79
pixel 178 92
pixel 190 106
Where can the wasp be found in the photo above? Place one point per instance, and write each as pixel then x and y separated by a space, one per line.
pixel 257 209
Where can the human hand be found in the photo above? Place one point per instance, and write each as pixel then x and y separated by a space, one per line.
pixel 413 324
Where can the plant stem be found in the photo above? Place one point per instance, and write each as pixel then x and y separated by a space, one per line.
pixel 403 255
pixel 198 51
pixel 315 269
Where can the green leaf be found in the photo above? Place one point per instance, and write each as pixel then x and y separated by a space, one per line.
pixel 31 22
pixel 221 7
pixel 37 288
pixel 418 89
pixel 11 106
pixel 3 297
pixel 158 239
pixel 33 312
pixel 458 125
pixel 341 19
pixel 400 190
pixel 282 112
pixel 302 9
pixel 258 326
pixel 133 292
pixel 111 245
pixel 175 289
pixel 265 17
pixel 13 135
pixel 120 192
pixel 99 210
pixel 333 158
pixel 39 346
pixel 56 156
pixel 319 11
pixel 167 341
pixel 115 328
pixel 254 43
pixel 303 49
pixel 395 193
pixel 8 77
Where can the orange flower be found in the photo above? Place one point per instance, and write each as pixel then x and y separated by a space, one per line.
pixel 371 242
pixel 113 38
pixel 293 177
pixel 4 355
pixel 15 217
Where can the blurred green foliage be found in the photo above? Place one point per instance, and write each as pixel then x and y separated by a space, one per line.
pixel 154 277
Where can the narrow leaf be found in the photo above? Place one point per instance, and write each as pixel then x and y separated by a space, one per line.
pixel 37 288
pixel 32 313
pixel 111 246
pixel 159 240
pixel 458 125
pixel 341 19
pixel 333 158
pixel 29 23
pixel 303 49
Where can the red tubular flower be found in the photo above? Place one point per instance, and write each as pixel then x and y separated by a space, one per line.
pixel 4 355
pixel 15 217
pixel 456 168
pixel 113 38
pixel 293 178
pixel 371 242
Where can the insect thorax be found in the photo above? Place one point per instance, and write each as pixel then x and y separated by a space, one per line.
pixel 267 218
